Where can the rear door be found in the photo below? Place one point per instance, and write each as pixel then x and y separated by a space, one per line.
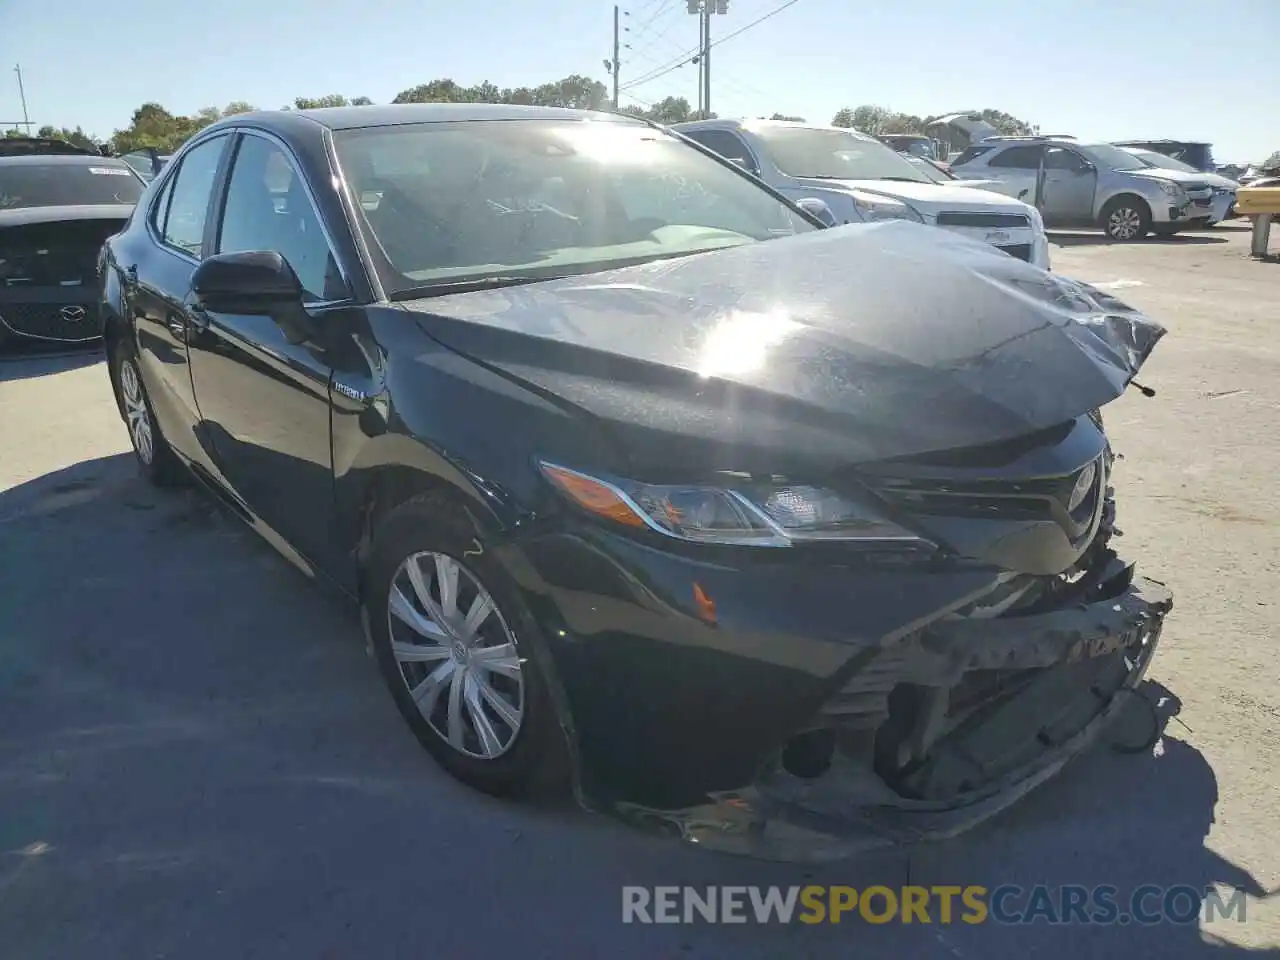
pixel 263 399
pixel 1016 168
pixel 157 270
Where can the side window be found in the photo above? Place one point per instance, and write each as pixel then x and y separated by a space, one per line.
pixel 969 153
pixel 1018 158
pixel 728 145
pixel 189 195
pixel 267 208
pixel 160 208
pixel 1058 158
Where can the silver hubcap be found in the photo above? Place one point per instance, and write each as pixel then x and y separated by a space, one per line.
pixel 1124 223
pixel 135 410
pixel 456 654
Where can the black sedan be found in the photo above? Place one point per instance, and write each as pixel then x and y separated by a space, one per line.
pixel 58 203
pixel 644 480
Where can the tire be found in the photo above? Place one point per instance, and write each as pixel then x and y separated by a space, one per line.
pixel 523 751
pixel 156 459
pixel 1126 219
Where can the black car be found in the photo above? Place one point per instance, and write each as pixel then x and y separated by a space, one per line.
pixel 58 203
pixel 642 479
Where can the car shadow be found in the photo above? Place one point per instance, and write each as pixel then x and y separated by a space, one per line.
pixel 197 758
pixel 1101 239
pixel 1128 822
pixel 26 363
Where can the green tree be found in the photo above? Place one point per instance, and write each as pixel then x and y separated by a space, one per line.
pixel 571 91
pixel 330 100
pixel 77 136
pixel 783 116
pixel 154 126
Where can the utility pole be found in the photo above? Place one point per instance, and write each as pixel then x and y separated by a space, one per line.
pixel 617 47
pixel 704 9
pixel 708 7
pixel 22 95
pixel 702 48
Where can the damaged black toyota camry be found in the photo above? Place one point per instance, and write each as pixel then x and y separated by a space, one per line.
pixel 786 538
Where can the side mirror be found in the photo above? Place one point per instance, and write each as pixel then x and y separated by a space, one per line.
pixel 819 209
pixel 257 282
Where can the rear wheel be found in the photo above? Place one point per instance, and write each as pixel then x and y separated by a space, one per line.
pixel 159 464
pixel 1126 219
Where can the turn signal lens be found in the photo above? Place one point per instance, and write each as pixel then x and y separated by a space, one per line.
pixel 592 495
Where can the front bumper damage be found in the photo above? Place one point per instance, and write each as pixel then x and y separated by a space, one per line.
pixel 1066 675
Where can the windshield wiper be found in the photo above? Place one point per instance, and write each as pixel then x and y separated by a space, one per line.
pixel 902 179
pixel 446 287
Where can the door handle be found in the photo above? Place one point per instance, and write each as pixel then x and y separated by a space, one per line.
pixel 131 276
pixel 198 319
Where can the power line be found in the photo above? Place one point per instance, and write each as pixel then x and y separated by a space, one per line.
pixel 690 55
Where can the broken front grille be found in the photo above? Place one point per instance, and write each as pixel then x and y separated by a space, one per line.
pixel 991 221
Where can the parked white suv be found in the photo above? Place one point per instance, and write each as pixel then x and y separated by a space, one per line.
pixel 860 180
pixel 1088 184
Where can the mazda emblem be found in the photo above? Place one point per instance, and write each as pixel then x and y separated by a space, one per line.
pixel 72 314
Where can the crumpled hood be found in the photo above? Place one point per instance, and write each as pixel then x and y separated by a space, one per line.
pixel 847 345
pixel 1177 176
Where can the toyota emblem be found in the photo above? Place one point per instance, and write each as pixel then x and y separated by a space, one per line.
pixel 72 314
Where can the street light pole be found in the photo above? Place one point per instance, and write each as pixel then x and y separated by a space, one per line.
pixel 22 95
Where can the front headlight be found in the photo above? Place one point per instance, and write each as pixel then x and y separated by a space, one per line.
pixel 746 514
pixel 885 209
pixel 1171 188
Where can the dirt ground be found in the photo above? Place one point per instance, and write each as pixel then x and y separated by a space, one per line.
pixel 198 761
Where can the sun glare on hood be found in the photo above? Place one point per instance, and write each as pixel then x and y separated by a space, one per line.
pixel 740 343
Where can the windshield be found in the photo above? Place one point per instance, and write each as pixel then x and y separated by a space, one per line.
pixel 931 171
pixel 447 202
pixel 1153 159
pixel 1112 158
pixel 29 184
pixel 833 155
pixel 916 146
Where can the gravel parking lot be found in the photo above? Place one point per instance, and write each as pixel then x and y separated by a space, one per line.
pixel 198 760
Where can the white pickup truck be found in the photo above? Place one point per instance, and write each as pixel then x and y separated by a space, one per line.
pixel 862 180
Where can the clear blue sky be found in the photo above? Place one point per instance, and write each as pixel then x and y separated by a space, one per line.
pixel 1103 69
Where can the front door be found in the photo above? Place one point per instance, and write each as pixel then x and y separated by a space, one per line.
pixel 1069 186
pixel 156 268
pixel 263 399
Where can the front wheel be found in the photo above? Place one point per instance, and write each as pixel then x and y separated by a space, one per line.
pixel 1125 219
pixel 453 642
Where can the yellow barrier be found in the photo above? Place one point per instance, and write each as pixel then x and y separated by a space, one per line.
pixel 1251 201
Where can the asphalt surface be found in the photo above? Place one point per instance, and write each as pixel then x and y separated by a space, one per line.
pixel 198 760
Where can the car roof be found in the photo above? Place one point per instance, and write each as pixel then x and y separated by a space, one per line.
pixel 749 123
pixel 392 114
